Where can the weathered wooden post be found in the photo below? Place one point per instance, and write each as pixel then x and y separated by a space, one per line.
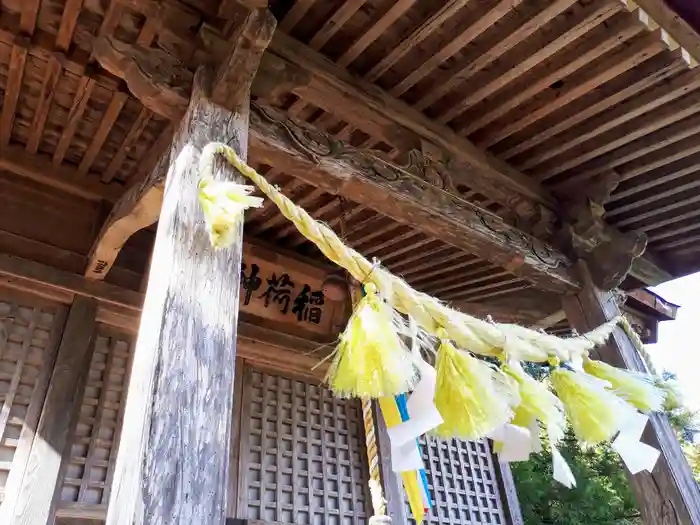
pixel 173 460
pixel 668 495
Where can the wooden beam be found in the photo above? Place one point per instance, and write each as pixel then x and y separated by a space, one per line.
pixel 649 271
pixel 455 78
pixel 590 22
pixel 69 19
pixel 48 90
pixel 431 24
pixel 622 102
pixel 335 23
pixel 39 168
pixel 375 31
pixel 15 75
pixel 62 286
pixel 172 468
pixel 473 31
pixel 140 206
pixel 127 144
pixel 669 494
pixel 37 499
pixel 292 67
pixel 509 493
pixel 365 178
pixel 80 100
pixel 594 76
pixel 391 481
pixel 550 320
pixel 622 107
pixel 678 29
pixel 606 40
pixel 110 117
pixel 236 73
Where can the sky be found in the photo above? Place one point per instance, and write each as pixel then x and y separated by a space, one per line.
pixel 678 346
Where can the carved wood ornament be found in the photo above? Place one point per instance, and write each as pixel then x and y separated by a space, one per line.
pixel 424 173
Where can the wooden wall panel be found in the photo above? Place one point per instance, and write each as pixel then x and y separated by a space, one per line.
pixel 303 458
pixel 30 330
pixel 85 487
pixel 463 483
pixel 52 217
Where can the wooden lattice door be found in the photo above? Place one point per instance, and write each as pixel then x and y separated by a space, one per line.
pixel 30 330
pixel 462 481
pixel 302 454
pixel 93 449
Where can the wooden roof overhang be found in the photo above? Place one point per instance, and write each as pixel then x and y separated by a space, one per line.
pixel 474 135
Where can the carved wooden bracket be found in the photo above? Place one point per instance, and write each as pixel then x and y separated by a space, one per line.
pixel 153 76
pixel 584 234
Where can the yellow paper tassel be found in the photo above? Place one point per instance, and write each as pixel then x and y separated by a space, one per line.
pixel 371 360
pixel 223 203
pixel 594 411
pixel 472 400
pixel 536 402
pixel 633 388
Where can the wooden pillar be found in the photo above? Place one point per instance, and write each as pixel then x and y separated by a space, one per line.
pixel 173 461
pixel 509 494
pixel 668 495
pixel 36 500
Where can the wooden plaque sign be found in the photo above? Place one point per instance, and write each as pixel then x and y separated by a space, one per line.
pixel 288 291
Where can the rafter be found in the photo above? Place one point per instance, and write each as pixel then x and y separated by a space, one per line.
pixel 656 180
pixel 658 211
pixel 593 77
pixel 372 33
pixel 18 58
pixel 48 89
pixel 447 11
pixel 608 39
pixel 335 22
pixel 481 24
pixel 457 78
pixel 80 101
pixel 108 120
pixel 623 97
pixel 288 66
pixel 657 196
pixel 127 144
pixel 610 154
pixel 40 169
pixel 620 111
pixel 600 15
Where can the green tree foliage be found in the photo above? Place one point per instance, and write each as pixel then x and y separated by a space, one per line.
pixel 602 495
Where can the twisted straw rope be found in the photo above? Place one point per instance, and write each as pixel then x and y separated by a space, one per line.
pixel 638 345
pixel 477 335
pixel 375 478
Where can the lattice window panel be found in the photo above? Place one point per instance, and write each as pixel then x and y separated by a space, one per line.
pixel 462 482
pixel 28 338
pixel 95 439
pixel 303 458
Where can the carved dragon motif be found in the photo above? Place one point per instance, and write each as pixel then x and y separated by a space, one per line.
pixel 418 171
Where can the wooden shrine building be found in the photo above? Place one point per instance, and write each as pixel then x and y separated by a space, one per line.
pixel 524 159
